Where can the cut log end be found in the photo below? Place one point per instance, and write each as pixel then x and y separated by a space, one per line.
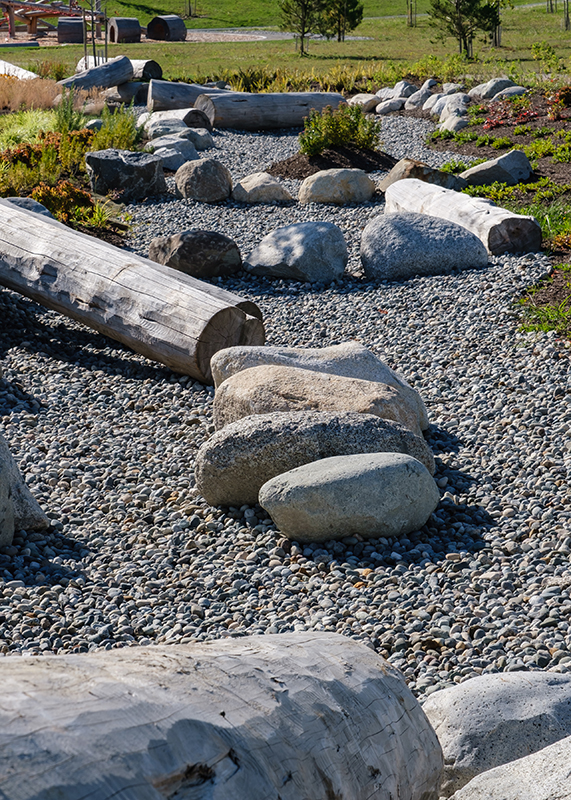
pixel 515 235
pixel 229 327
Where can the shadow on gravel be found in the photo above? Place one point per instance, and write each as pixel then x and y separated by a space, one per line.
pixel 25 559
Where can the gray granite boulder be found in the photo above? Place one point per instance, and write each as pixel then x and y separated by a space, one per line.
pixel 368 102
pixel 399 246
pixel 205 180
pixel 260 187
pixel 373 494
pixel 265 389
pixel 432 100
pixel 417 100
pixel 337 186
pixel 409 168
pixel 237 460
pixel 315 252
pixel 30 205
pixel 348 360
pixel 6 507
pixel 202 254
pixel 485 91
pixel 495 719
pixel 27 514
pixel 510 168
pixel 390 105
pixel 455 106
pixel 157 128
pixel 454 123
pixel 511 91
pixel 545 775
pixel 174 152
pixel 134 175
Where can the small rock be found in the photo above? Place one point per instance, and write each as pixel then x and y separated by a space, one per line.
pixel 260 187
pixel 368 102
pixel 510 168
pixel 409 168
pixel 176 153
pixel 30 205
pixel 337 186
pixel 387 106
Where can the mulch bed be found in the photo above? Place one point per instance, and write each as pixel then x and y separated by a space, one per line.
pixel 301 166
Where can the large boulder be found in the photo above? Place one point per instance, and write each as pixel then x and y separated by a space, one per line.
pixel 6 507
pixel 175 152
pixel 368 102
pixel 206 180
pixel 348 359
pixel 510 168
pixel 299 715
pixel 372 495
pixel 404 89
pixel 545 775
pixel 417 100
pixel 494 719
pixel 511 91
pixel 337 186
pixel 134 175
pixel 315 252
pixel 27 513
pixel 202 254
pixel 263 390
pixel 456 105
pixel 454 123
pixel 29 205
pixel 488 90
pixel 396 247
pixel 200 138
pixel 236 461
pixel 432 100
pixel 260 187
pixel 409 168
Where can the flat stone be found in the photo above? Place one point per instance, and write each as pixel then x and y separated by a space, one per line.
pixel 156 128
pixel 373 494
pixel 260 187
pixel 192 117
pixel 409 168
pixel 495 719
pixel 205 180
pixel 236 461
pixel 511 168
pixel 315 252
pixel 337 186
pixel 398 246
pixel 202 254
pixel 264 389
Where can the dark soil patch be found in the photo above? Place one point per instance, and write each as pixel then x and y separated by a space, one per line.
pixel 301 166
pixel 111 235
pixel 551 299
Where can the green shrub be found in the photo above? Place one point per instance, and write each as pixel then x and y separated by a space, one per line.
pixel 119 130
pixel 500 142
pixel 522 130
pixel 346 125
pixel 67 117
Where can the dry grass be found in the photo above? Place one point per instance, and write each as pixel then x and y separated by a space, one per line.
pixel 18 95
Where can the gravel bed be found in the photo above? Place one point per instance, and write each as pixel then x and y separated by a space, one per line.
pixel 106 441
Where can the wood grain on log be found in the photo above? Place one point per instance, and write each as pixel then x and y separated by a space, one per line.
pixel 143 68
pixel 501 231
pixel 252 112
pixel 287 717
pixel 159 312
pixel 112 73
pixel 165 95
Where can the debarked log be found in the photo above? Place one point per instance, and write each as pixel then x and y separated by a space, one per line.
pixel 500 230
pixel 291 716
pixel 168 95
pixel 159 312
pixel 143 68
pixel 111 73
pixel 255 112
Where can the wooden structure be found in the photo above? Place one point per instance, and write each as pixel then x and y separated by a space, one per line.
pixel 125 30
pixel 167 28
pixel 501 231
pixel 163 314
pixel 34 14
pixel 70 30
pixel 253 112
pixel 297 715
pixel 111 73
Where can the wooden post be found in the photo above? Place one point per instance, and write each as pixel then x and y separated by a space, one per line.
pixel 159 312
pixel 11 22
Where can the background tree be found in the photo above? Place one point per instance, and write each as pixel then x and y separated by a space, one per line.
pixel 339 16
pixel 463 18
pixel 302 17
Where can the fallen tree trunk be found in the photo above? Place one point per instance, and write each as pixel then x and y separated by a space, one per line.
pixel 112 73
pixel 309 715
pixel 16 72
pixel 501 231
pixel 253 112
pixel 134 90
pixel 159 312
pixel 164 95
pixel 143 68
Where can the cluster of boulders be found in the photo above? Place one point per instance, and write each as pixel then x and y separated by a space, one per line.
pixel 328 441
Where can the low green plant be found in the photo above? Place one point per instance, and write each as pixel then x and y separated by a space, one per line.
pixel 119 130
pixel 19 178
pixel 454 166
pixel 522 130
pixel 346 125
pixel 539 149
pixel 23 126
pixel 547 316
pixel 65 201
pixel 540 133
pixel 485 140
pixel 501 142
pixel 562 154
pixel 67 117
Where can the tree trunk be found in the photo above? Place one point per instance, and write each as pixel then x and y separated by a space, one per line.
pixel 253 112
pixel 163 314
pixel 307 715
pixel 500 230
pixel 126 92
pixel 165 96
pixel 112 73
pixel 143 69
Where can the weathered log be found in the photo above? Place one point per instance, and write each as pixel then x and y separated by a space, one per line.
pixel 165 96
pixel 70 30
pixel 501 231
pixel 124 30
pixel 307 715
pixel 113 73
pixel 253 112
pixel 167 28
pixel 163 314
pixel 143 68
pixel 16 72
pixel 134 90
